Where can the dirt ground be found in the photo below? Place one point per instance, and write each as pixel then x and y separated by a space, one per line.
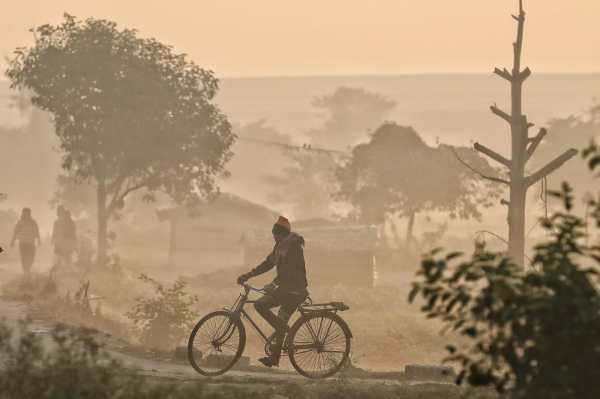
pixel 388 332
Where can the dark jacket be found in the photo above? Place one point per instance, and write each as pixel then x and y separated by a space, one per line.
pixel 288 256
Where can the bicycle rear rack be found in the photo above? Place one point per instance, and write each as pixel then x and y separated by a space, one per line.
pixel 323 307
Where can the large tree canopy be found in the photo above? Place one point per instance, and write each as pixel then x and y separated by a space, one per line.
pixel 130 113
pixel 397 173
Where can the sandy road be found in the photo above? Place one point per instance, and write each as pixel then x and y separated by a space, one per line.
pixel 12 312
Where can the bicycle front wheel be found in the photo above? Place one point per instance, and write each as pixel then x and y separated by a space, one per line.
pixel 216 343
pixel 319 344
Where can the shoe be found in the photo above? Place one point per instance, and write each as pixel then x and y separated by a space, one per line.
pixel 269 361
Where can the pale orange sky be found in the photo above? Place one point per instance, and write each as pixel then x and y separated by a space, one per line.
pixel 326 37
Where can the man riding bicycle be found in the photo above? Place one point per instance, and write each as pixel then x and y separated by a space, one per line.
pixel 288 289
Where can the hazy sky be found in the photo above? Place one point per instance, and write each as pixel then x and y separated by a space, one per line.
pixel 324 37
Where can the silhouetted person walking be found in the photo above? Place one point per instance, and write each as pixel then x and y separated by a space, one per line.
pixel 28 235
pixel 288 289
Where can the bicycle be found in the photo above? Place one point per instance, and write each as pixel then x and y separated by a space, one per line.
pixel 318 343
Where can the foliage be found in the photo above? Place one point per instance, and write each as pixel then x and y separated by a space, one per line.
pixel 165 317
pixel 535 331
pixel 397 173
pixel 69 363
pixel 572 131
pixel 350 113
pixel 77 197
pixel 308 181
pixel 592 154
pixel 130 113
pixel 265 148
pixel 48 299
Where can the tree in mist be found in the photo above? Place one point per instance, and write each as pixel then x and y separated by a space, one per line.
pixel 523 148
pixel 307 182
pixel 264 147
pixel 130 113
pixel 572 131
pixel 350 114
pixel 396 174
pixel 78 197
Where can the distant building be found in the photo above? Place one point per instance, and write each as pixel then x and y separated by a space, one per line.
pixel 233 233
pixel 211 237
pixel 335 252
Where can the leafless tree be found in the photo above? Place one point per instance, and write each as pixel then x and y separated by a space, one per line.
pixel 523 147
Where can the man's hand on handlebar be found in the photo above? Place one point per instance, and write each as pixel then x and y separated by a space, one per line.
pixel 243 278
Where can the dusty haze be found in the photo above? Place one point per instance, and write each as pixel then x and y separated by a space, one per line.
pixel 303 85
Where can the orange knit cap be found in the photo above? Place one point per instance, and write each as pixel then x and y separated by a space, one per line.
pixel 283 222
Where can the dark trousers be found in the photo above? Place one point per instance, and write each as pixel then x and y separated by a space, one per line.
pixel 288 303
pixel 27 250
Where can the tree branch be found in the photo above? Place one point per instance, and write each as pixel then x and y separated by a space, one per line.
pixel 120 196
pixel 550 167
pixel 535 142
pixel 525 74
pixel 497 111
pixel 503 73
pixel 492 154
pixel 472 169
pixel 115 187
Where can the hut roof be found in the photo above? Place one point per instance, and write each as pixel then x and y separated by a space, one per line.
pixel 225 210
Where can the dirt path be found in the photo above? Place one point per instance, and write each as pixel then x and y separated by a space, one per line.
pixel 13 311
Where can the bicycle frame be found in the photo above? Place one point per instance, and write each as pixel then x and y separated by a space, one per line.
pixel 312 344
pixel 238 309
pixel 306 308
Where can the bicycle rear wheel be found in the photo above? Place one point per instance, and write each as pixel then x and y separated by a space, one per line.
pixel 319 344
pixel 216 343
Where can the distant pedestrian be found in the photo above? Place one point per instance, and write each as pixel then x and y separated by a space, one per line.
pixel 28 235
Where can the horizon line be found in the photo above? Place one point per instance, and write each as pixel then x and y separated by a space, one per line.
pixel 371 75
pixel 391 74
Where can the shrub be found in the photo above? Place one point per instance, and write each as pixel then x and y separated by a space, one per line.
pixel 67 364
pixel 533 332
pixel 163 319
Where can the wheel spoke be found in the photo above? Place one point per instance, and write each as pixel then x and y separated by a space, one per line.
pixel 215 344
pixel 319 346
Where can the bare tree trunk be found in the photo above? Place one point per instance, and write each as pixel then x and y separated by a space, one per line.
pixel 516 224
pixel 101 253
pixel 394 232
pixel 519 131
pixel 523 148
pixel 410 228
